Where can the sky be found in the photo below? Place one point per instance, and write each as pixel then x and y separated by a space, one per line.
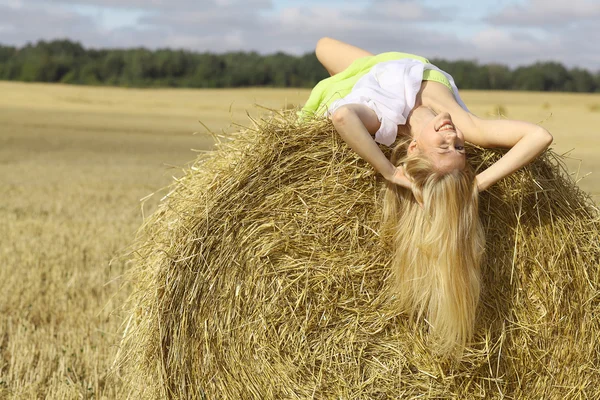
pixel 510 32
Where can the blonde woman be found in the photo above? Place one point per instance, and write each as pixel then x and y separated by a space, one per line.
pixel 431 201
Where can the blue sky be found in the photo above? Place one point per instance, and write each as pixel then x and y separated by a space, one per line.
pixel 512 32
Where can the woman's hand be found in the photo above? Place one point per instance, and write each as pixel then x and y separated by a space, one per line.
pixel 399 178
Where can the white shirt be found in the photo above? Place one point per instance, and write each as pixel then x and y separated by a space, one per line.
pixel 390 89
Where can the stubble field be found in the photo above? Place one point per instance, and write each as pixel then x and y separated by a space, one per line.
pixel 74 164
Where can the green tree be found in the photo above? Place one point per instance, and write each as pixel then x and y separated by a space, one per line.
pixel 67 61
pixel 555 75
pixel 112 66
pixel 499 76
pixel 583 81
pixel 528 78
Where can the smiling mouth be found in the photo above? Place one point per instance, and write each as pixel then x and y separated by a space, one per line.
pixel 446 126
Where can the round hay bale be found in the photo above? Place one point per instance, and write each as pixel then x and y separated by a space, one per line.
pixel 262 275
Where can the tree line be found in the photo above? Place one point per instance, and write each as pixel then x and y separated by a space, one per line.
pixel 66 61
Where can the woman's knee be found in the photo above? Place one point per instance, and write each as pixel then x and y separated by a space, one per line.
pixel 321 48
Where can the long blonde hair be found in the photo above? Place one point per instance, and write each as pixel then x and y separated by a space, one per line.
pixel 438 244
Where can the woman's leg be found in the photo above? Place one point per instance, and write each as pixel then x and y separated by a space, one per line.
pixel 336 56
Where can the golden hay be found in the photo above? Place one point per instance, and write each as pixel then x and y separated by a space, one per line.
pixel 262 275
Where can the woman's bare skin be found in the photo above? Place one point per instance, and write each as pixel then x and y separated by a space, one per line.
pixel 435 106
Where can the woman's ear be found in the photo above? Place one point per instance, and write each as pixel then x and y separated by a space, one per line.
pixel 412 147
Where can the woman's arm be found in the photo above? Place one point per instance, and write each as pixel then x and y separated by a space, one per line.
pixel 356 123
pixel 525 140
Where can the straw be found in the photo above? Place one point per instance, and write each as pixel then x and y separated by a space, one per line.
pixel 263 276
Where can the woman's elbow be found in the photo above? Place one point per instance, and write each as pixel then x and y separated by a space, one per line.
pixel 545 137
pixel 342 119
pixel 340 116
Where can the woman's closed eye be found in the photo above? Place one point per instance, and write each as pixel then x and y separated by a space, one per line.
pixel 447 147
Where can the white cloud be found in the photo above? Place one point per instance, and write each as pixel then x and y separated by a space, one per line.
pixel 545 30
pixel 162 4
pixel 31 24
pixel 551 14
pixel 514 47
pixel 256 25
pixel 406 10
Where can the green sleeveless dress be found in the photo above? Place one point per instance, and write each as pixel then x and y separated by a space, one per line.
pixel 341 84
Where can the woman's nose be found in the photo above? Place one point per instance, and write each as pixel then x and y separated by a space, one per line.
pixel 450 134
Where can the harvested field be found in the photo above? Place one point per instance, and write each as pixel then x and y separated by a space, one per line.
pixel 75 162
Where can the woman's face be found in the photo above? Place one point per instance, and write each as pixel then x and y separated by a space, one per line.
pixel 436 137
